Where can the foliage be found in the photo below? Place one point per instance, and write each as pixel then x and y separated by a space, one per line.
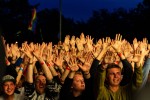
pixel 15 15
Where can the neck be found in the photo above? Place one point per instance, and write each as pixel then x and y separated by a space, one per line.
pixel 114 88
pixel 11 97
pixel 76 93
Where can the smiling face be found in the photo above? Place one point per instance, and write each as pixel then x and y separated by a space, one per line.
pixel 114 76
pixel 78 82
pixel 40 84
pixel 9 88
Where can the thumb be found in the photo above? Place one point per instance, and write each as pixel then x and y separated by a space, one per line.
pixel 80 65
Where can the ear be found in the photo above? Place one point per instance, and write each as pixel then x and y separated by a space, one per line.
pixel 121 77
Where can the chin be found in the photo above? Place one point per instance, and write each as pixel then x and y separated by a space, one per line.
pixel 9 94
pixel 41 92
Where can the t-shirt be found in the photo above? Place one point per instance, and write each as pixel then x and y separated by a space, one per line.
pixel 16 97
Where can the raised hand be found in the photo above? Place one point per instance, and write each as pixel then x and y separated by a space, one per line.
pixel 79 44
pixel 98 43
pixel 28 51
pixel 67 39
pixel 80 56
pixel 82 38
pixel 127 50
pixel 87 64
pixel 109 57
pixel 89 42
pixel 49 57
pixel 14 50
pixel 73 63
pixel 117 43
pixel 67 56
pixel 105 46
pixel 135 43
pixel 137 55
pixel 96 51
pixel 72 42
pixel 143 46
pixel 58 60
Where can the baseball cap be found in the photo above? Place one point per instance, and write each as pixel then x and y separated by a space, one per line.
pixel 8 78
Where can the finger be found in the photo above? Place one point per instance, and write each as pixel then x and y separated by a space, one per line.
pixel 116 38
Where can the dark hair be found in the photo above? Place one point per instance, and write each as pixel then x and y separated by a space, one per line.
pixel 109 66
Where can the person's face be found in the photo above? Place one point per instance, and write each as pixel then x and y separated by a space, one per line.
pixel 9 88
pixel 114 76
pixel 78 83
pixel 40 84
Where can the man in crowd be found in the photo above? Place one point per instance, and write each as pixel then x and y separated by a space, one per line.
pixel 9 86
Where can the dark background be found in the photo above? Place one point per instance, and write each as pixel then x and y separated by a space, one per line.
pixel 16 14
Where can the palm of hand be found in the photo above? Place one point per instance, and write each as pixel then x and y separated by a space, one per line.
pixel 74 67
pixel 80 46
pixel 108 59
pixel 86 66
pixel 136 58
pixel 105 45
pixel 117 45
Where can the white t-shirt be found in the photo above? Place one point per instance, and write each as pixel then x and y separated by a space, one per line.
pixel 16 97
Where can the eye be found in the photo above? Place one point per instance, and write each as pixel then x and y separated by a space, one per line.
pixel 111 73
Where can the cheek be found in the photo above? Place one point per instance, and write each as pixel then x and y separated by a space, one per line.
pixel 75 84
pixel 5 87
pixel 109 77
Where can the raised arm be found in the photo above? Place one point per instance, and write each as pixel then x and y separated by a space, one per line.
pixel 38 54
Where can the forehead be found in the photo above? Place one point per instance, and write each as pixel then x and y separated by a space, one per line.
pixel 78 76
pixel 114 70
pixel 9 82
pixel 41 77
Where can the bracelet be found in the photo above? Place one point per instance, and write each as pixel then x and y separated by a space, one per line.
pixel 68 68
pixel 42 63
pixel 87 73
pixel 119 54
pixel 21 68
pixel 116 62
pixel 7 62
pixel 61 80
pixel 48 64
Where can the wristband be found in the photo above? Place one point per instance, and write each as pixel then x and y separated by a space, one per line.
pixel 48 64
pixel 87 73
pixel 119 54
pixel 19 61
pixel 7 62
pixel 116 62
pixel 68 68
pixel 42 63
pixel 21 68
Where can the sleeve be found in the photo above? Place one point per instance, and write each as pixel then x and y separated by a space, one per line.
pixel 65 90
pixel 29 89
pixel 94 74
pixel 89 89
pixel 145 71
pixel 127 72
pixel 94 67
pixel 137 79
pixel 101 83
pixel 53 87
pixel 19 61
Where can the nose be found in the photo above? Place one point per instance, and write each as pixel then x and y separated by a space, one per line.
pixel 41 83
pixel 82 82
pixel 9 86
pixel 115 75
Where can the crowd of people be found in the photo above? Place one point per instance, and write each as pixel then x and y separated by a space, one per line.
pixel 76 69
